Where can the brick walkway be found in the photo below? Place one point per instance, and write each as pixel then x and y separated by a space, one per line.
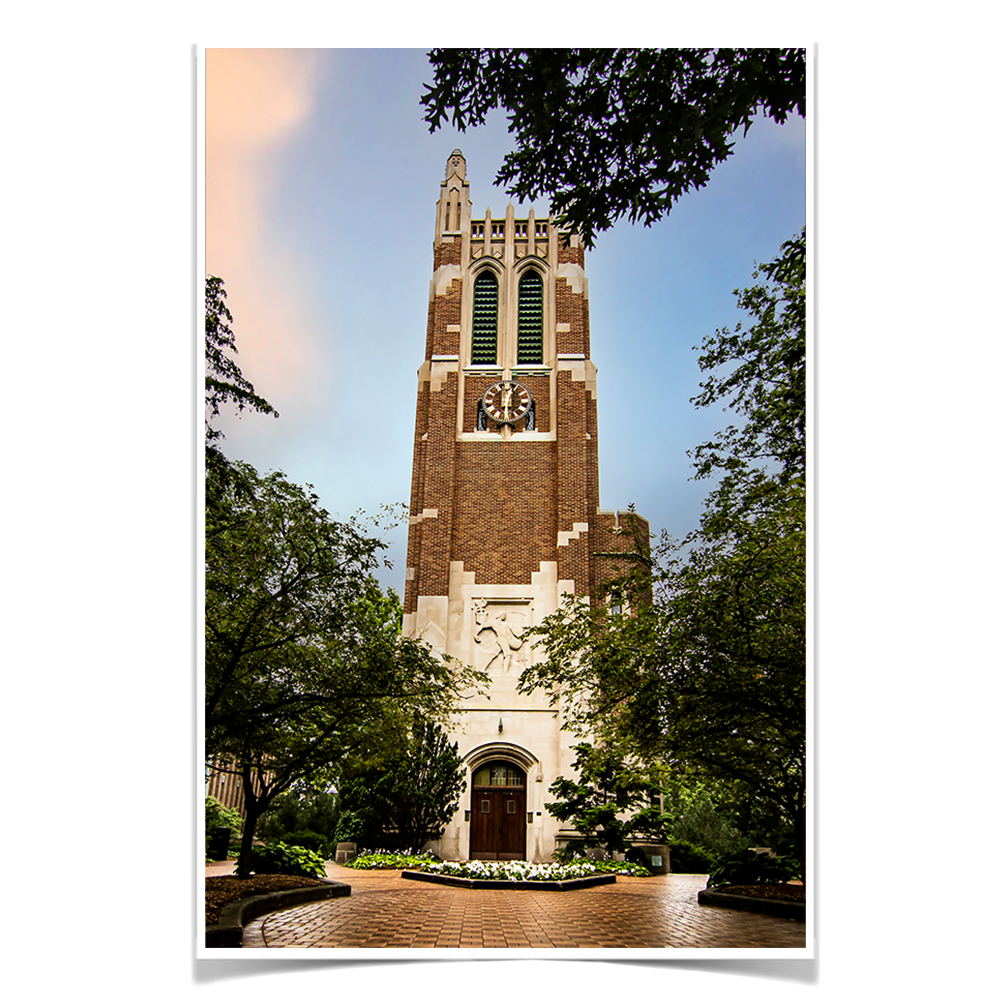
pixel 386 911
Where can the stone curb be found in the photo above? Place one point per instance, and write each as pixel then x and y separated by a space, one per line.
pixel 786 908
pixel 483 883
pixel 228 932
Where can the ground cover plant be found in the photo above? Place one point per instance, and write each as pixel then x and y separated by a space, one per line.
pixel 286 859
pixel 371 860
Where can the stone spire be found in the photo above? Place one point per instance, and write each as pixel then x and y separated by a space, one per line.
pixel 454 205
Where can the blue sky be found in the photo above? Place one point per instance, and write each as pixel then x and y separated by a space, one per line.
pixel 322 183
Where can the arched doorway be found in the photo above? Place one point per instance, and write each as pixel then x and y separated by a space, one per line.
pixel 499 820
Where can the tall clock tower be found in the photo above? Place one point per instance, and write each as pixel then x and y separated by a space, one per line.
pixel 504 515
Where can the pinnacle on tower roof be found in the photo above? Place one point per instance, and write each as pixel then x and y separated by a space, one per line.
pixel 456 164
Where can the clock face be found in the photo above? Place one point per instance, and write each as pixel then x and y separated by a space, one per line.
pixel 506 402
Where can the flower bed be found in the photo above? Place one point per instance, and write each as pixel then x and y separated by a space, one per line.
pixel 369 860
pixel 504 871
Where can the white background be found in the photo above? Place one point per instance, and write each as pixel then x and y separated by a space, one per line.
pixel 100 329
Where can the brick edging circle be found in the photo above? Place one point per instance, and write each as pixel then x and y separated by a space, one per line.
pixel 228 932
pixel 787 908
pixel 484 883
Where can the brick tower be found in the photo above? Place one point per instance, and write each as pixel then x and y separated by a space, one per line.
pixel 504 515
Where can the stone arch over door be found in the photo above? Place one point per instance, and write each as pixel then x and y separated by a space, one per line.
pixel 499 780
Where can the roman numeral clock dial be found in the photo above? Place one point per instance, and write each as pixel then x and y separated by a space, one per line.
pixel 506 402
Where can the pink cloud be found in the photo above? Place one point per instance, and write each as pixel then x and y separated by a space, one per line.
pixel 256 101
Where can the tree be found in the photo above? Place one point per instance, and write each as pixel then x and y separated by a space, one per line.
pixel 612 132
pixel 759 372
pixel 224 382
pixel 304 661
pixel 704 814
pixel 609 805
pixel 305 820
pixel 405 796
pixel 709 677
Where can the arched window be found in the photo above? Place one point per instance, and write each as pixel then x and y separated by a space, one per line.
pixel 485 300
pixel 529 319
pixel 498 772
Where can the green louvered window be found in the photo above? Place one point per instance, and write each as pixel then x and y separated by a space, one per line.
pixel 485 299
pixel 529 319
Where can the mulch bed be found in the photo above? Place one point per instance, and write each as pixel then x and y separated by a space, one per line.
pixel 221 890
pixel 793 893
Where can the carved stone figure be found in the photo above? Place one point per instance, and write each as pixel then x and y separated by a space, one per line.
pixel 506 635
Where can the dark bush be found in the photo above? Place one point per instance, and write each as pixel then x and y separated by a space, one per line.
pixel 690 859
pixel 751 868
pixel 216 816
pixel 293 814
pixel 308 838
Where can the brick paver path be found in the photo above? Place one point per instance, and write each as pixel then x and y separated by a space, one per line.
pixel 386 911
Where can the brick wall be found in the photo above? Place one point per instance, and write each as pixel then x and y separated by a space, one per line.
pixel 572 308
pixel 449 252
pixel 445 310
pixel 505 516
pixel 606 538
pixel 574 503
pixel 570 254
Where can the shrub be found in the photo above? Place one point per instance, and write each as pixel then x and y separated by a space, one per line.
pixel 350 828
pixel 217 815
pixel 751 868
pixel 407 795
pixel 282 859
pixel 690 859
pixel 293 814
pixel 308 838
pixel 620 868
pixel 573 851
pixel 606 806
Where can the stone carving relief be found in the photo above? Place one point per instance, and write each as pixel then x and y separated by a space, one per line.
pixel 498 633
pixel 433 635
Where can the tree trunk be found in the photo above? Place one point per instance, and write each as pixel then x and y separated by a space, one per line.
pixel 253 809
pixel 246 845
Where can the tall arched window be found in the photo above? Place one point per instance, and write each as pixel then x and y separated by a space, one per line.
pixel 485 299
pixel 529 319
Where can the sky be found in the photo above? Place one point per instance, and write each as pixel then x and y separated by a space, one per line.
pixel 320 188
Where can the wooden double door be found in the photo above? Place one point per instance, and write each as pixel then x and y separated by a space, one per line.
pixel 499 824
